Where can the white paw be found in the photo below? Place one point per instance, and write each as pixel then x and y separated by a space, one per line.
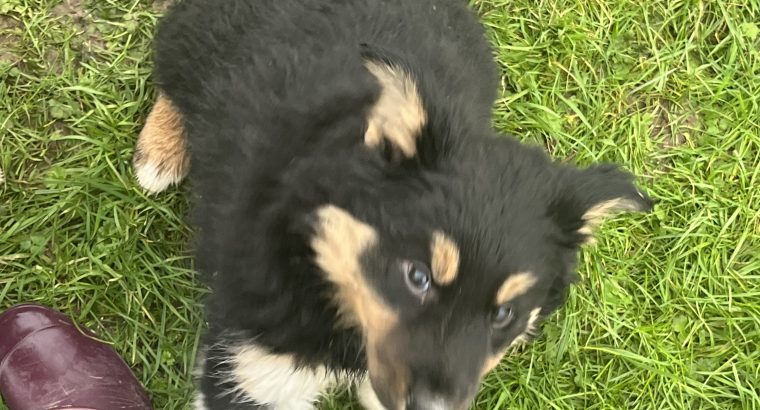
pixel 156 179
pixel 367 396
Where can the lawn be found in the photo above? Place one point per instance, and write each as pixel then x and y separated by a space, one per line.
pixel 667 314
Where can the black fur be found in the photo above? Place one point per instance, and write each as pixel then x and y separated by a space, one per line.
pixel 275 97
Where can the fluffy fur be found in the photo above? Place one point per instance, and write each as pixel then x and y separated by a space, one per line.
pixel 339 150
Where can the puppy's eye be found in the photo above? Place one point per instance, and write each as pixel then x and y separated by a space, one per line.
pixel 502 316
pixel 417 277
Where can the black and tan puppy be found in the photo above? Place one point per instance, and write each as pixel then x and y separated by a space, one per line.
pixel 358 218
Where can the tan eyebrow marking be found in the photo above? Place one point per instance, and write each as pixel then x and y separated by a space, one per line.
pixel 445 259
pixel 339 242
pixel 515 285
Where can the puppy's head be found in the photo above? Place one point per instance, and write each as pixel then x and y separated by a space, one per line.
pixel 441 290
pixel 445 265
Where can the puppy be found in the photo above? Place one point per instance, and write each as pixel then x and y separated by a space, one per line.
pixel 358 219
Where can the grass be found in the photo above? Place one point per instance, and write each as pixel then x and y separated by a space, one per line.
pixel 667 315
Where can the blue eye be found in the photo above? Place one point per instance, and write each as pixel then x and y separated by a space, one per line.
pixel 417 277
pixel 502 316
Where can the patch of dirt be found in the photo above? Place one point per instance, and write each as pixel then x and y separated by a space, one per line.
pixel 54 60
pixel 671 125
pixel 75 11
pixel 71 8
pixel 9 38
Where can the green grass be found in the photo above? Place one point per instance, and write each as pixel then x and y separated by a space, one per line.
pixel 667 315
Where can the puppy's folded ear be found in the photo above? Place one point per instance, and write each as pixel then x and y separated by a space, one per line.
pixel 588 197
pixel 396 119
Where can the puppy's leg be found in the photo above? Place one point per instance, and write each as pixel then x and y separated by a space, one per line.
pixel 246 377
pixel 161 158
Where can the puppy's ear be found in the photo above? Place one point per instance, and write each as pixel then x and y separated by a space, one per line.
pixel 396 119
pixel 588 197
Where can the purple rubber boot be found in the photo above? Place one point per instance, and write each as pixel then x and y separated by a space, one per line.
pixel 47 363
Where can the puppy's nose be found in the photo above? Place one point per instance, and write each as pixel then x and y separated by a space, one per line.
pixel 422 399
